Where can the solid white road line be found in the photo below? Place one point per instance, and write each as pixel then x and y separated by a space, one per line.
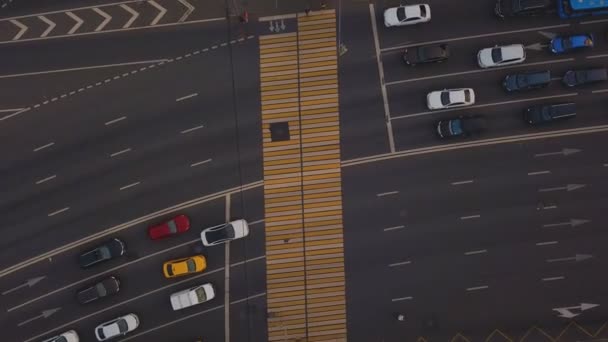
pixel 475 36
pixel 553 278
pixel 605 164
pixel 44 146
pixel 483 105
pixel 536 173
pixel 201 162
pixel 400 263
pixel 227 277
pixel 597 56
pixel 546 243
pixel 599 91
pixel 463 182
pixel 115 120
pixel 587 22
pixel 481 251
pixel 129 186
pixel 45 179
pixel 477 288
pixel 192 129
pixel 11 110
pixel 387 113
pixel 387 193
pixel 15 113
pixel 393 228
pixel 120 152
pixel 256 222
pixel 58 211
pixel 470 217
pixel 186 97
pixel 82 68
pixel 402 298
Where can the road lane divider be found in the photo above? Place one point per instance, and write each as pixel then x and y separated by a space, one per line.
pixel 111 122
pixel 302 182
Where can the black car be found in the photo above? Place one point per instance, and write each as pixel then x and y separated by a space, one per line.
pixel 542 114
pixel 106 287
pixel 579 77
pixel 510 8
pixel 462 126
pixel 530 80
pixel 426 54
pixel 109 250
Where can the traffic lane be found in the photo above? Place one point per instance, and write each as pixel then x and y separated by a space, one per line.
pixel 248 278
pixel 250 206
pixel 248 320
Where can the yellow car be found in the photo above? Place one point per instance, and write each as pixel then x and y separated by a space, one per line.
pixel 185 266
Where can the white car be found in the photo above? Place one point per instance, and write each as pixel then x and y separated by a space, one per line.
pixel 117 327
pixel 501 55
pixel 407 15
pixel 192 296
pixel 68 336
pixel 224 232
pixel 448 98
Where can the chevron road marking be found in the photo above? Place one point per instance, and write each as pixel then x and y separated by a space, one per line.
pixel 161 9
pixel 48 22
pixel 78 21
pixel 188 11
pixel 134 15
pixel 106 16
pixel 22 29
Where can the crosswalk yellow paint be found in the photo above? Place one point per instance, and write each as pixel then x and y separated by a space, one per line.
pixel 302 182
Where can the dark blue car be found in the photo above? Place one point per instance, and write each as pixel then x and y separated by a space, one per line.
pixel 573 42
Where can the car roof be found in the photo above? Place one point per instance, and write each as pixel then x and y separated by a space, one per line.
pixel 412 11
pixel 512 51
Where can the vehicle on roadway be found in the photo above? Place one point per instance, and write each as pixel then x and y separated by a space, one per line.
pixel 224 232
pixel 526 81
pixel 192 296
pixel 501 55
pixel 462 126
pixel 108 250
pixel 117 327
pixel 511 8
pixel 68 336
pixel 578 8
pixel 585 76
pixel 104 288
pixel 184 266
pixel 547 113
pixel 449 98
pixel 432 53
pixel 177 225
pixel 574 42
pixel 407 15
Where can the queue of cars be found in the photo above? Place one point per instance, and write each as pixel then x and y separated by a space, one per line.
pixel 497 56
pixel 115 248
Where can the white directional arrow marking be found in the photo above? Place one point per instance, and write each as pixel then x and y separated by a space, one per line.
pixel 188 11
pixel 565 152
pixel 22 29
pixel 571 223
pixel 134 15
pixel 161 9
pixel 567 311
pixel 106 20
pixel 77 20
pixel 48 22
pixel 577 258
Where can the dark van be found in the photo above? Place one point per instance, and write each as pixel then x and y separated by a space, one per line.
pixel 530 80
pixel 546 113
pixel 574 78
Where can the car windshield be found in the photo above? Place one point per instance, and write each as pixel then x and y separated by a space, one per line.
pixel 581 77
pixel 200 293
pixel 445 98
pixel 496 55
pixel 546 113
pixel 100 333
pixel 191 265
pixel 122 325
pixel 61 339
pixel 172 227
pixel 401 13
pixel 104 252
pixel 422 11
pixel 169 270
pixel 101 290
pixel 456 127
pixel 567 43
pixel 522 81
pixel 467 96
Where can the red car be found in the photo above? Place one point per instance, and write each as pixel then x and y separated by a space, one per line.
pixel 176 225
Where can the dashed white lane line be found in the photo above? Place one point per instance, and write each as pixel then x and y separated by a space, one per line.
pixel 129 186
pixel 538 173
pixel 470 217
pixel 463 182
pixel 387 193
pixel 554 278
pixel 120 152
pixel 393 228
pixel 186 97
pixel 477 288
pixel 40 181
pixel 401 299
pixel 546 243
pixel 58 211
pixel 481 251
pixel 192 129
pixel 400 263
pixel 44 146
pixel 115 120
pixel 201 162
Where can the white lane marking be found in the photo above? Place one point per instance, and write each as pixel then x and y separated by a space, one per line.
pixel 401 298
pixel 393 228
pixel 400 263
pixel 546 243
pixel 480 251
pixel 44 146
pixel 22 29
pixel 40 181
pixel 477 71
pixel 475 36
pixel 48 22
pixel 462 182
pixel 387 113
pixel 227 277
pixel 477 288
pixel 133 13
pixel 587 22
pixel 536 173
pixel 599 91
pixel 256 222
pixel 387 193
pixel 15 113
pixel 605 164
pixel 80 68
pixel 201 162
pixel 78 21
pixel 120 152
pixel 115 120
pixel 105 21
pixel 129 186
pixel 553 278
pixel 555 78
pixel 470 217
pixel 484 105
pixel 192 129
pixel 58 211
pixel 186 97
pixel 11 110
pixel 597 56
